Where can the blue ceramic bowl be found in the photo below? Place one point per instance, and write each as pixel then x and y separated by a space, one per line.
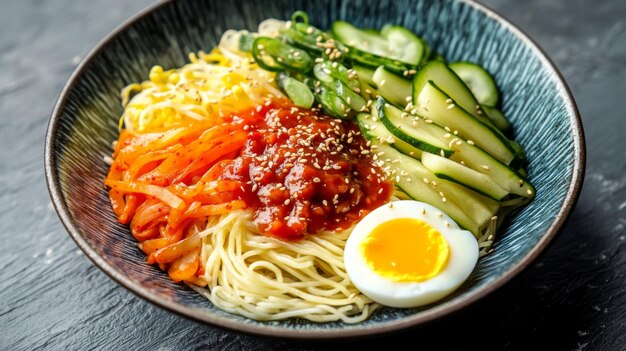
pixel 84 122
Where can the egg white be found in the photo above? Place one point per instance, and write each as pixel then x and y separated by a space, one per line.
pixel 461 262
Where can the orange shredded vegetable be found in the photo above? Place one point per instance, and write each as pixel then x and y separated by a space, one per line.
pixel 164 183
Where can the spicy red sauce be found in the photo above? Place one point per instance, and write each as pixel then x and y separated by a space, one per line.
pixel 304 172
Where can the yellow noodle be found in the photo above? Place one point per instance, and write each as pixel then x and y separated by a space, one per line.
pixel 268 279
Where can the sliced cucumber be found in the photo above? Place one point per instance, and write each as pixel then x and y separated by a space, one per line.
pixel 365 74
pixel 410 176
pixel 409 129
pixel 396 42
pixel 480 161
pixel 373 129
pixel 392 87
pixel 445 78
pixel 447 169
pixel 434 104
pixel 406 46
pixel 479 81
pixel 366 41
pixel 368 92
pixel 478 207
pixel 497 118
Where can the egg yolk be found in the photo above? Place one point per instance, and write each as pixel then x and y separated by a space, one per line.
pixel 406 250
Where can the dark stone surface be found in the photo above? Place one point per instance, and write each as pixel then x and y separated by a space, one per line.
pixel 51 297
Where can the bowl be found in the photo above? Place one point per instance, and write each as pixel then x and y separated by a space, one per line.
pixel 84 123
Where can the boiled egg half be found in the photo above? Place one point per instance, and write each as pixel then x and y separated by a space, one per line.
pixel 409 254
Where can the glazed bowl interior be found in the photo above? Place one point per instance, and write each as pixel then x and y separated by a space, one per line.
pixel 84 124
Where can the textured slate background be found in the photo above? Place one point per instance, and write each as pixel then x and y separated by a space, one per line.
pixel 52 297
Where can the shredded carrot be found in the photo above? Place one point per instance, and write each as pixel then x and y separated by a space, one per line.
pixel 212 210
pixel 152 245
pixel 156 191
pixel 165 183
pixel 185 267
pixel 175 250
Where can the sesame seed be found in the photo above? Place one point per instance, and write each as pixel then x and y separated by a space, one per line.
pixel 485 167
pixel 324 202
pixel 494 218
pixel 471 142
pixel 439 214
pixel 423 211
pixel 382 82
pixel 287 202
pixel 443 154
pixel 426 180
pixel 529 192
pixel 316 180
pixel 450 107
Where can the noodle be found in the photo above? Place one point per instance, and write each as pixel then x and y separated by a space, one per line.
pixel 268 279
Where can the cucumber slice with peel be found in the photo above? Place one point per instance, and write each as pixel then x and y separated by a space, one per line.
pixel 410 129
pixel 432 103
pixel 497 118
pixel 479 81
pixel 445 78
pixel 447 169
pixel 392 87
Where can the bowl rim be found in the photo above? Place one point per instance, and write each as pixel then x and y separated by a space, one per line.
pixel 447 308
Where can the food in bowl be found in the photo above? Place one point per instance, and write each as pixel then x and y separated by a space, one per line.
pixel 281 171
